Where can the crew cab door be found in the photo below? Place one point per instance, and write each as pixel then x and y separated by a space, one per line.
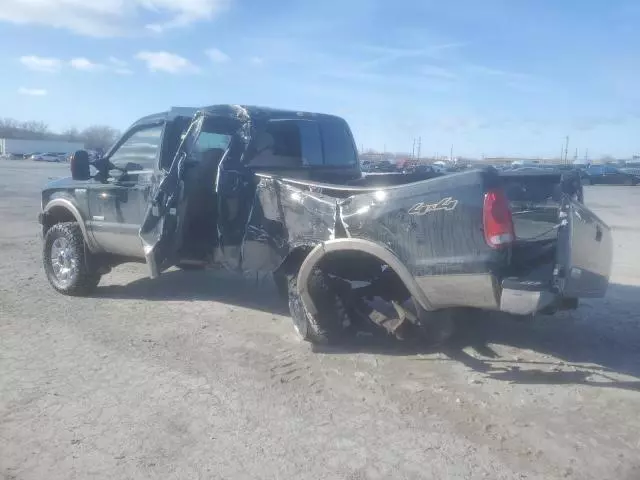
pixel 235 189
pixel 159 231
pixel 117 203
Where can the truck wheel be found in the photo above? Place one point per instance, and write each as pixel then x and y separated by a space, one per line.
pixel 330 324
pixel 65 263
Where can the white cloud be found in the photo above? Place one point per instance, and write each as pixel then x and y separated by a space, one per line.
pixel 256 61
pixel 104 18
pixel 33 92
pixel 41 64
pixel 217 56
pixel 166 62
pixel 86 65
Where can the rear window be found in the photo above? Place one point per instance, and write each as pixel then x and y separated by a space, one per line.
pixel 294 143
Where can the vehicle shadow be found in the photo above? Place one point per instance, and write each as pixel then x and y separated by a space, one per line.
pixel 258 293
pixel 597 345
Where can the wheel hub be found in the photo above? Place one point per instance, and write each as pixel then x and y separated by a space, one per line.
pixel 62 261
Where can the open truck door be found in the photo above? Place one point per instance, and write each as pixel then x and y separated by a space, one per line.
pixel 160 226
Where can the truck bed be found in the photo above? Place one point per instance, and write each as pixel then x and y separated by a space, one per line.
pixel 434 229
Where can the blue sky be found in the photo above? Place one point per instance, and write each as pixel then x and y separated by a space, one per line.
pixel 493 77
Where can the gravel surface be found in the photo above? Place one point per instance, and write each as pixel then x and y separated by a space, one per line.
pixel 199 375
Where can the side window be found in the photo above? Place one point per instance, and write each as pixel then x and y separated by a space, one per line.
pixel 140 150
pixel 211 140
pixel 610 170
pixel 288 144
pixel 299 142
pixel 339 149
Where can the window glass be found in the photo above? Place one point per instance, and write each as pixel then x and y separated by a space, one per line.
pixel 310 143
pixel 337 142
pixel 296 143
pixel 610 170
pixel 211 140
pixel 140 150
pixel 278 145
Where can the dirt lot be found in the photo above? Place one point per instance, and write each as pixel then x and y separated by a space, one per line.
pixel 200 376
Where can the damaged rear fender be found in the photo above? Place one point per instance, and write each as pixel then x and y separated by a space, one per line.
pixel 358 245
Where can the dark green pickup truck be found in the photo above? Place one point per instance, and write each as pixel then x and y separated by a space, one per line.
pixel 261 190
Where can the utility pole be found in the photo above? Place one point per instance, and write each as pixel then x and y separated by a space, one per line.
pixel 566 149
pixel 419 146
pixel 451 154
pixel 575 157
pixel 413 149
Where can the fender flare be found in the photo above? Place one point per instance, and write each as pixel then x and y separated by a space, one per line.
pixel 68 205
pixel 382 253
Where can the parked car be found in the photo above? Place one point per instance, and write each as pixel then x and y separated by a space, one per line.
pixel 279 192
pixel 608 175
pixel 46 157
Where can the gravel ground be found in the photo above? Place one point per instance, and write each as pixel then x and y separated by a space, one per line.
pixel 199 375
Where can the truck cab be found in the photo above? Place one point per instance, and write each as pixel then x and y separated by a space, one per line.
pixel 203 163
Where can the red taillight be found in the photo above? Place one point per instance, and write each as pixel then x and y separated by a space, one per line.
pixel 498 223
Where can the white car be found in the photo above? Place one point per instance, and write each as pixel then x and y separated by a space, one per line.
pixel 45 157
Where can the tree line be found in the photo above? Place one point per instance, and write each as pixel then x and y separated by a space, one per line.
pixel 95 137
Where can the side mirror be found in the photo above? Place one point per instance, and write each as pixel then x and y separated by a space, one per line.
pixel 80 166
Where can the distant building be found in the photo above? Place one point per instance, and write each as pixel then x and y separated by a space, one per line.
pixel 18 146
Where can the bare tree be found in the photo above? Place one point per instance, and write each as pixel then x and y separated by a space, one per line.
pixel 10 128
pixel 72 135
pixel 99 137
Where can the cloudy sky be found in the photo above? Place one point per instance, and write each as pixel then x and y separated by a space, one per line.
pixel 492 77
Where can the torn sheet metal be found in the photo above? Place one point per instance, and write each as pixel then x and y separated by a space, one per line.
pixel 283 218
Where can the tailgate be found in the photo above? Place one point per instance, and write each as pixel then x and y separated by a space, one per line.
pixel 584 253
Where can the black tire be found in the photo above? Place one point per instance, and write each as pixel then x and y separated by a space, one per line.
pixel 330 324
pixel 69 272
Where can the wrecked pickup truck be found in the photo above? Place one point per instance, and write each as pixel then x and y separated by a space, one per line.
pixel 261 190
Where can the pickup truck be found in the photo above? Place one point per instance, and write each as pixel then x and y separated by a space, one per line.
pixel 260 190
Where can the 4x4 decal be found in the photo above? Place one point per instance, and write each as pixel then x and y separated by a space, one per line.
pixel 423 208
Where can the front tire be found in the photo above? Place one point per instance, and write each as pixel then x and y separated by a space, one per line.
pixel 65 262
pixel 330 324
